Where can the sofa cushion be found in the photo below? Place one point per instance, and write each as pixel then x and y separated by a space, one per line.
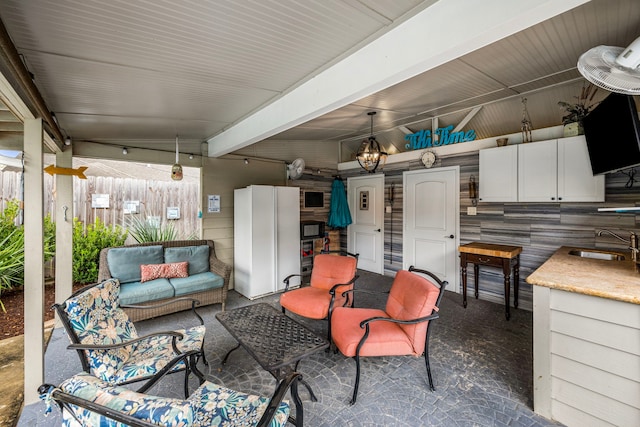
pixel 136 292
pixel 124 263
pixel 196 283
pixel 197 256
pixel 166 271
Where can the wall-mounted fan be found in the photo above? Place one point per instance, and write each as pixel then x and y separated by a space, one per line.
pixel 295 169
pixel 615 69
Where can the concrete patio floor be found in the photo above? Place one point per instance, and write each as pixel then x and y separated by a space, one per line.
pixel 481 363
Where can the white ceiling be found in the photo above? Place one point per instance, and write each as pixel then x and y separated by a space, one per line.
pixel 137 73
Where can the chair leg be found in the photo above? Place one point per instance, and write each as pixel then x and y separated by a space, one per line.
pixel 355 388
pixel 186 381
pixel 193 367
pixel 204 358
pixel 426 360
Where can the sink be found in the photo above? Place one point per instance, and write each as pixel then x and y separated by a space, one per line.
pixel 596 255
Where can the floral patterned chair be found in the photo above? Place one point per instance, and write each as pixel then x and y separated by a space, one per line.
pixel 85 400
pixel 109 346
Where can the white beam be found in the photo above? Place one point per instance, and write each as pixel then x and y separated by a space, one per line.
pixel 33 261
pixel 64 227
pixel 440 33
pixel 466 119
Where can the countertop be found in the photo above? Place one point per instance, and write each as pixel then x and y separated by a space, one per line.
pixel 617 280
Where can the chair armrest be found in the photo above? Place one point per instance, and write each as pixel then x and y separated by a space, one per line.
pixel 332 291
pixel 287 279
pixel 194 303
pixel 63 400
pixel 222 269
pixel 291 381
pixel 173 334
pixel 404 322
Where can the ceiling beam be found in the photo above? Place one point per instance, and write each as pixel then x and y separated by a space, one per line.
pixel 467 118
pixel 444 31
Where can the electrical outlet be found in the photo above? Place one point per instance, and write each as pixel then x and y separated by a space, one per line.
pixel 471 210
pixel 388 209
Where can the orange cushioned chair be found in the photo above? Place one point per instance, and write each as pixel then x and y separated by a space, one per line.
pixel 331 277
pixel 402 328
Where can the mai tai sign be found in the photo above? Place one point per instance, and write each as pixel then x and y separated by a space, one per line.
pixel 444 136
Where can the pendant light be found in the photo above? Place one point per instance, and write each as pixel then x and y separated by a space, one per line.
pixel 369 154
pixel 176 170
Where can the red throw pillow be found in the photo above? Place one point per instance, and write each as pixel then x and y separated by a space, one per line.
pixel 166 271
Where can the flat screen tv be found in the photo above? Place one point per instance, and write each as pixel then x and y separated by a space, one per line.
pixel 612 131
pixel 313 199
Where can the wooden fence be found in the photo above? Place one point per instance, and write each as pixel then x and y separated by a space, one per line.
pixel 152 199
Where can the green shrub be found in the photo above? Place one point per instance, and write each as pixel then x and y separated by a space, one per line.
pixel 11 261
pixel 145 229
pixel 12 246
pixel 87 246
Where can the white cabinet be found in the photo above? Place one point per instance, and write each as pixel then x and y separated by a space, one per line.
pixel 557 170
pixel 266 229
pixel 499 174
pixel 538 171
pixel 576 182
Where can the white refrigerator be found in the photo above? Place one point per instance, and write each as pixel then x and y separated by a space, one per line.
pixel 266 231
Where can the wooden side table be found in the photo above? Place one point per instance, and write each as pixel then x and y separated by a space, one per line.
pixel 507 257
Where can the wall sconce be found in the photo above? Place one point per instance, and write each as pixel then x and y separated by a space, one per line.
pixel 67 141
pixel 125 151
pixel 246 161
pixel 190 156
pixel 473 190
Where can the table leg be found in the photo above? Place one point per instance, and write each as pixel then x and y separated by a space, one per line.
pixel 228 353
pixel 506 270
pixel 476 277
pixel 516 281
pixel 299 419
pixel 463 270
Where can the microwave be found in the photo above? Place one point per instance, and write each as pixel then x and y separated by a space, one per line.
pixel 311 229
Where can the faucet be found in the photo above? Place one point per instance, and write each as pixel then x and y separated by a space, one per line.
pixel 633 241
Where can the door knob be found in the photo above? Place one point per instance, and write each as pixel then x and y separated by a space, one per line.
pixel 450 236
pixel 378 230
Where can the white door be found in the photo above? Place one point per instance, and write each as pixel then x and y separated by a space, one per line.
pixel 431 212
pixel 365 234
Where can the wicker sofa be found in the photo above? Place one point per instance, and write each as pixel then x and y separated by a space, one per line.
pixel 207 281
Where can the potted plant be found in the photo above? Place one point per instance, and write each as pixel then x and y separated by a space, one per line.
pixel 575 112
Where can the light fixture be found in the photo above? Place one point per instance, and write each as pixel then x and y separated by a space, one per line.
pixel 176 169
pixel 473 190
pixel 67 141
pixel 246 161
pixel 125 151
pixel 369 154
pixel 526 123
pixel 190 156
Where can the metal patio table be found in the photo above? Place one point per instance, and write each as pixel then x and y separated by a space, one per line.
pixel 273 339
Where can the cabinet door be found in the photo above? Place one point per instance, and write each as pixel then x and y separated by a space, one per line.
pixel 576 182
pixel 538 172
pixel 499 174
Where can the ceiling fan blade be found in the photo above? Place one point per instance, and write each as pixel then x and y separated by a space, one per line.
pixel 601 67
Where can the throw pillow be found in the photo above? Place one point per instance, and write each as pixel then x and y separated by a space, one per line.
pixel 166 271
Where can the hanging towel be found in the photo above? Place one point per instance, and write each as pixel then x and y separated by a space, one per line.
pixel 339 215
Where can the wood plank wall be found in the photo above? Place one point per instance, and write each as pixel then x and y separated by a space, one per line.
pixel 154 198
pixel 540 228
